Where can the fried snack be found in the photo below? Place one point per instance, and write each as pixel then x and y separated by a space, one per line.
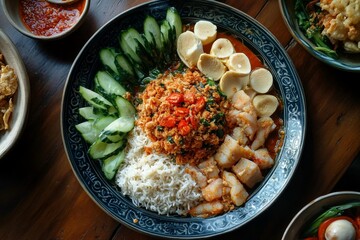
pixel 342 23
pixel 8 87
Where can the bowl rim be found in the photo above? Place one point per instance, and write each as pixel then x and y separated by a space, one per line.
pixel 61 35
pixel 293 28
pixel 317 200
pixel 21 108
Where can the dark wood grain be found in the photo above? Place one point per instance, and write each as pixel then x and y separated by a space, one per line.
pixel 40 197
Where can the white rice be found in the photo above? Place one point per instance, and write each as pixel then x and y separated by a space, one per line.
pixel 154 181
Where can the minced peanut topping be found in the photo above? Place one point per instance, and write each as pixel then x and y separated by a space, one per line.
pixel 183 114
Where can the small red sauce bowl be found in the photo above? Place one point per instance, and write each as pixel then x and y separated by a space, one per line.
pixel 39 19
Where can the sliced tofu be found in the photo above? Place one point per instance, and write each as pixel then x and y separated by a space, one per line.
pixel 209 168
pixel 249 122
pixel 238 193
pixel 248 172
pixel 263 159
pixel 197 175
pixel 265 126
pixel 228 153
pixel 239 135
pixel 213 190
pixel 207 209
pixel 240 100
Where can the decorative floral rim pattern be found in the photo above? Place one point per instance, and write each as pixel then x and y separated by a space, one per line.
pixel 105 193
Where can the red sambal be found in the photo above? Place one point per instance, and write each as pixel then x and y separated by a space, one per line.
pixel 47 19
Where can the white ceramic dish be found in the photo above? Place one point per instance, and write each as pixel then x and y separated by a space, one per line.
pixel 314 209
pixel 11 10
pixel 345 62
pixel 18 118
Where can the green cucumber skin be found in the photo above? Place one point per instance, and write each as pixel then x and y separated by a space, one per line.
pixel 101 150
pixel 111 164
pixel 107 85
pixel 107 57
pixel 89 113
pixel 95 99
pixel 125 108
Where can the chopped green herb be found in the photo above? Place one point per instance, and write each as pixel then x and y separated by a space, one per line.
pixel 170 139
pixel 218 118
pixel 204 122
pixel 332 212
pixel 312 30
pixel 210 82
pixel 219 133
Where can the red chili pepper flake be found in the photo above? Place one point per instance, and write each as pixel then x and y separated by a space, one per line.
pixel 46 19
pixel 181 112
pixel 168 121
pixel 189 98
pixel 199 105
pixel 175 98
pixel 184 128
pixel 193 121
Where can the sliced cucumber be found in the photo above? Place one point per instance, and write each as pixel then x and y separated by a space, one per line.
pixel 114 138
pixel 87 131
pixel 102 150
pixel 119 125
pixel 125 108
pixel 107 57
pixel 165 30
pixel 123 65
pixel 90 130
pixel 107 85
pixel 168 38
pixel 135 60
pixel 174 19
pixel 89 114
pixel 111 164
pixel 96 100
pixel 138 49
pixel 152 33
pixel 130 41
pixel 103 122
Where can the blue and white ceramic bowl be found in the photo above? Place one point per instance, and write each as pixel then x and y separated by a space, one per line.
pixel 106 194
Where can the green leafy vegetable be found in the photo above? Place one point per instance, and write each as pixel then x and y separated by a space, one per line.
pixel 332 212
pixel 308 24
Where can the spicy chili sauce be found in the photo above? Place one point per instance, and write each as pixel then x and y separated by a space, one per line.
pixel 46 19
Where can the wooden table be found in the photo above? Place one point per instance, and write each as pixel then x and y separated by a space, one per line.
pixel 40 197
